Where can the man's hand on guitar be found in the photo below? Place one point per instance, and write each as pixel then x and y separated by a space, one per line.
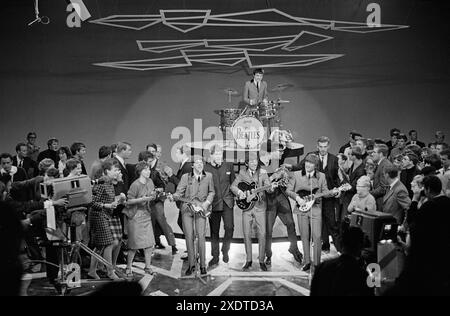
pixel 274 185
pixel 299 200
pixel 205 206
pixel 241 195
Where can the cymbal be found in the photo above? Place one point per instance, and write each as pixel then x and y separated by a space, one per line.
pixel 231 91
pixel 282 101
pixel 281 87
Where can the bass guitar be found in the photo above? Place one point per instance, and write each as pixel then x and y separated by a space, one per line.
pixel 310 199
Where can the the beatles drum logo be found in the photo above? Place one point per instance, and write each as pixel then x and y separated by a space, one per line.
pixel 248 132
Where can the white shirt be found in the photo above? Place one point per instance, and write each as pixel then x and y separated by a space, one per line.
pixel 122 162
pixel 324 160
pixel 310 174
pixel 393 183
pixel 18 161
pixel 379 161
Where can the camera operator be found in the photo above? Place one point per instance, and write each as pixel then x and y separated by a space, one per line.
pixel 25 198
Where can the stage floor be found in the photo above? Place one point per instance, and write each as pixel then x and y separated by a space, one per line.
pixel 284 277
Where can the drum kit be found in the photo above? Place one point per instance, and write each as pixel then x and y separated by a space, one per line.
pixel 267 112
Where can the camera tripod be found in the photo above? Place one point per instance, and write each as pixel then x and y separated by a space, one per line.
pixel 69 276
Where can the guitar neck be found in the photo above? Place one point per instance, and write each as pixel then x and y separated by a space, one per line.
pixel 263 188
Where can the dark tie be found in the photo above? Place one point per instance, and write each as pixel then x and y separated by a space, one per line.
pixel 257 86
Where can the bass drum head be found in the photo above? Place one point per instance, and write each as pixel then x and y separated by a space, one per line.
pixel 248 132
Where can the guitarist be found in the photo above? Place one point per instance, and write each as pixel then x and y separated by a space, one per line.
pixel 197 185
pixel 304 180
pixel 253 173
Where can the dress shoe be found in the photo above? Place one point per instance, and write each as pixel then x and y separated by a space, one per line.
pixel 160 246
pixel 225 258
pixel 202 271
pixel 297 255
pixel 214 261
pixel 190 270
pixel 306 267
pixel 263 267
pixel 247 265
pixel 174 250
pixel 268 261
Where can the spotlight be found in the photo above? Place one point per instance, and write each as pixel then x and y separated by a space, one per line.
pixel 44 19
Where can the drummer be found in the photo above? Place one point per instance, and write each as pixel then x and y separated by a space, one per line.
pixel 255 90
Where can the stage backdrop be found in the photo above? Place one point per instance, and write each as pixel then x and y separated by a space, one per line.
pixel 48 83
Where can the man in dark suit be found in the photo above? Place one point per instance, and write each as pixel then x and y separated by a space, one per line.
pixel 51 152
pixel 413 139
pixel 354 136
pixel 379 157
pixel 396 200
pixel 345 275
pixel 124 153
pixel 79 151
pixel 255 90
pixel 430 238
pixel 22 160
pixel 8 172
pixel 223 203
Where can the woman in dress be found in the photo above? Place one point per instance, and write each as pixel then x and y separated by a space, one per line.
pixel 105 228
pixel 138 213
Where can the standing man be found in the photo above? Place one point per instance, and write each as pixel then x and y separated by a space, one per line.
pixel 199 185
pixel 380 185
pixel 255 90
pixel 223 203
pixel 78 152
pixel 253 173
pixel 33 149
pixel 51 152
pixel 22 160
pixel 310 222
pixel 396 200
pixel 413 139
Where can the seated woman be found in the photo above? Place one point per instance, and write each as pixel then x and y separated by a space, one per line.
pixel 140 230
pixel 363 200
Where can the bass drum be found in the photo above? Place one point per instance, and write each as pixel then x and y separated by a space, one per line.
pixel 248 132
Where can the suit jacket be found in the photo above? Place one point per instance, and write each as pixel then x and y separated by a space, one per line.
pixel 29 165
pixel 261 178
pixel 20 175
pixel 300 181
pixel 223 177
pixel 51 154
pixel 127 175
pixel 185 168
pixel 379 183
pixel 190 188
pixel 251 92
pixel 353 178
pixel 396 201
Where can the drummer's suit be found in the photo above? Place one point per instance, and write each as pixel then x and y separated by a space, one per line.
pixel 251 92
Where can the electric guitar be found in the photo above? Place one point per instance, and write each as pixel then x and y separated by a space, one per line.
pixel 195 205
pixel 310 199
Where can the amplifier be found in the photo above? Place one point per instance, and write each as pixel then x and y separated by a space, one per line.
pixel 78 190
pixel 372 224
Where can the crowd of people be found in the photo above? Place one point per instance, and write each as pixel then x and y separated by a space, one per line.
pixel 402 177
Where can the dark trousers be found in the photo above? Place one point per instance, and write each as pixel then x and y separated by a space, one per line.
pixel 329 223
pixel 159 218
pixel 180 216
pixel 278 205
pixel 227 215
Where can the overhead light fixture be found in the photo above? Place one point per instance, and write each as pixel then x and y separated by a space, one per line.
pixel 39 19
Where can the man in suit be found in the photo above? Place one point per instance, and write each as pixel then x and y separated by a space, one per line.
pixel 199 185
pixel 310 222
pixel 22 160
pixel 79 152
pixel 8 172
pixel 328 165
pixel 33 149
pixel 223 203
pixel 257 214
pixel 379 157
pixel 413 139
pixel 354 136
pixel 124 152
pixel 51 152
pixel 430 238
pixel 255 90
pixel 409 170
pixel 395 132
pixel 396 200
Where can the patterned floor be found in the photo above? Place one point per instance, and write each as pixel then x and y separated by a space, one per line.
pixel 284 277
